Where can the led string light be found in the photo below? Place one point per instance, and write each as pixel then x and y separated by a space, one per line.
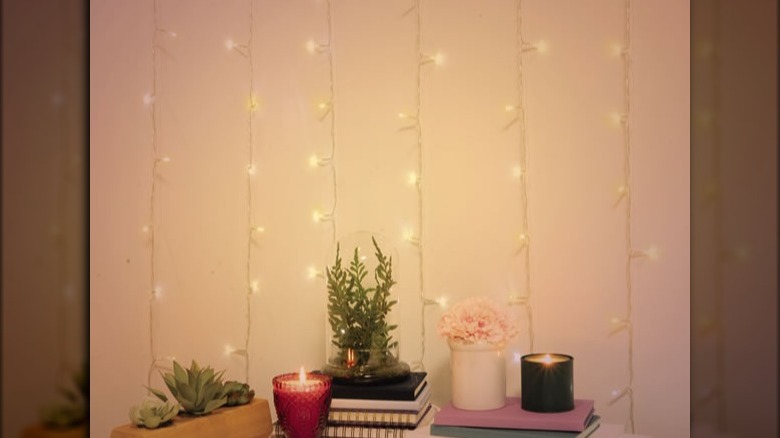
pixel 416 179
pixel 327 109
pixel 150 99
pixel 520 171
pixel 253 230
pixel 625 324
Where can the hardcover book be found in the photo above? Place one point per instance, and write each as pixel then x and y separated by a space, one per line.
pixel 512 416
pixel 403 419
pixel 483 432
pixel 387 405
pixel 407 389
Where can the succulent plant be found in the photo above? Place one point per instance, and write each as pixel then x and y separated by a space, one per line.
pixel 152 413
pixel 238 393
pixel 198 390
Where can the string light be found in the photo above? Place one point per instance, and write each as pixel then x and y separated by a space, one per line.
pixel 327 108
pixel 416 177
pixel 150 100
pixel 624 194
pixel 519 170
pixel 315 161
pixel 245 50
pixel 318 216
pixel 539 46
pixel 312 272
pixel 437 59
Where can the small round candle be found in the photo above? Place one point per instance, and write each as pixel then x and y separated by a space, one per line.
pixel 547 382
pixel 302 403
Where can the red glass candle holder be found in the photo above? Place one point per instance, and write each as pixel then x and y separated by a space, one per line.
pixel 302 406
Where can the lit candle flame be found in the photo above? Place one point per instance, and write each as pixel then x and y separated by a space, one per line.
pixel 302 376
pixel 350 358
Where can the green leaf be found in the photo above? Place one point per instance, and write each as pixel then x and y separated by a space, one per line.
pixel 179 372
pixel 214 404
pixel 159 394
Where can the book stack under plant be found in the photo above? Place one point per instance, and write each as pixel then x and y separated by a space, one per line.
pixel 512 421
pixel 379 410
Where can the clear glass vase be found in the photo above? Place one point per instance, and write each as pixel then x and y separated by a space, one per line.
pixel 365 366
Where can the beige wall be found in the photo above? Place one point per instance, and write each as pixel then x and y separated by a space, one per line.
pixel 472 206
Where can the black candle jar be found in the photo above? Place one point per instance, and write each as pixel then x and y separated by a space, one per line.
pixel 547 382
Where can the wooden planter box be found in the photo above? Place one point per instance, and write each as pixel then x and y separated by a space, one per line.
pixel 39 431
pixel 248 421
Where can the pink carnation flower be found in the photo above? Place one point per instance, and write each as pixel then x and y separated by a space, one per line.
pixel 477 320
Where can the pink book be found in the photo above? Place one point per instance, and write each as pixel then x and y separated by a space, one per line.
pixel 512 416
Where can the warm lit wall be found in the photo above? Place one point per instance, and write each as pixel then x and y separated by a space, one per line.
pixel 471 203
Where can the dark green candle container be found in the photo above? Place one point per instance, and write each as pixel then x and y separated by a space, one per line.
pixel 547 382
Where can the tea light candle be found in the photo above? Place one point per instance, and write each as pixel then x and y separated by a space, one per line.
pixel 302 403
pixel 547 382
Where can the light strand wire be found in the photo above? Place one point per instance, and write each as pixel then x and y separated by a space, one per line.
pixel 520 44
pixel 332 90
pixel 152 194
pixel 250 155
pixel 421 175
pixel 629 390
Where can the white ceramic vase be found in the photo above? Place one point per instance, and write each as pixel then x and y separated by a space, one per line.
pixel 478 376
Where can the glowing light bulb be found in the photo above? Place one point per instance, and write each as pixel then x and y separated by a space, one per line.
pixel 165 159
pixel 312 272
pixel 148 99
pixel 523 238
pixel 406 116
pixel 230 44
pixel 540 46
pixel 622 189
pixel 250 169
pixel 617 49
pixel 509 108
pixel 318 216
pixel 323 105
pixel 517 171
pixel 254 287
pixel 157 292
pixel 311 46
pixel 653 253
pixel 442 301
pixel 438 58
pixel 410 237
pixel 314 161
pixel 252 104
pixel 145 229
pixel 258 229
pixel 618 118
pixel 412 178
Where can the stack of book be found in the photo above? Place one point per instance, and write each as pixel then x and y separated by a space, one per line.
pixel 512 421
pixel 377 411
